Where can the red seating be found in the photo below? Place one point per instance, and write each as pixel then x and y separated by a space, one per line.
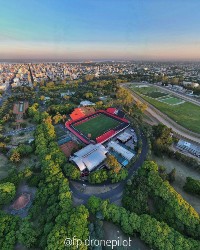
pixel 105 136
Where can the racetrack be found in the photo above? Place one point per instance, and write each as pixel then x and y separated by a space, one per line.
pixel 164 119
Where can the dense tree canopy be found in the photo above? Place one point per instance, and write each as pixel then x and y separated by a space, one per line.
pixel 7 192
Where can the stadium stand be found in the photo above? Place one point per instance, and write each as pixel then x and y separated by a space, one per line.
pixel 81 112
pixel 105 136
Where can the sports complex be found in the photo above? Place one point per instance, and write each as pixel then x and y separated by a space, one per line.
pixel 97 127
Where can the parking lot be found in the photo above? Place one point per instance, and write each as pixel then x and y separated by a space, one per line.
pixel 188 147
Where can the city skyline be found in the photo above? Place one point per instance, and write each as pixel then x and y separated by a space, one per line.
pixel 100 30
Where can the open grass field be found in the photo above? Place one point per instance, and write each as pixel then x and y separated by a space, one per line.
pixel 156 94
pixel 97 126
pixel 186 114
pixel 171 100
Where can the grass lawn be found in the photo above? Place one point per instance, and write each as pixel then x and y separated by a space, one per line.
pixel 186 114
pixel 171 100
pixel 97 126
pixel 155 94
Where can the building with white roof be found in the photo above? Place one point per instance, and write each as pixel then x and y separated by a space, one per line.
pixel 121 150
pixel 86 103
pixel 189 147
pixel 124 137
pixel 89 157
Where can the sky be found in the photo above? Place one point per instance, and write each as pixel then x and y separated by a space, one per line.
pixel 100 29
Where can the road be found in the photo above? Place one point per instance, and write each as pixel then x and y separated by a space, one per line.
pixel 116 193
pixel 164 119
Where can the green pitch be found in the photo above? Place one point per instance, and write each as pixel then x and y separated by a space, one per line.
pixel 172 100
pixel 184 113
pixel 97 126
pixel 155 94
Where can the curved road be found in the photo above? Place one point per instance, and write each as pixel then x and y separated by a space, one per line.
pixel 114 194
pixel 164 119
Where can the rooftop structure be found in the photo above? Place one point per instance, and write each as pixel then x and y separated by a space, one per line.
pixel 121 150
pixel 187 146
pixel 86 103
pixel 124 137
pixel 89 157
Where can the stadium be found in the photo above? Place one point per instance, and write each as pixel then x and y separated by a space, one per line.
pixel 98 127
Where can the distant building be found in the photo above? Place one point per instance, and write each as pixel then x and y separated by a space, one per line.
pixel 68 93
pixel 86 103
pixel 4 86
pixel 185 83
pixel 195 85
pixel 189 147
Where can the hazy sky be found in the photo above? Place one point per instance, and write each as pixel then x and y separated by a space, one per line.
pixel 100 29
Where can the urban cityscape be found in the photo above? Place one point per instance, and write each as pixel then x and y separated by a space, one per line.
pixel 100 125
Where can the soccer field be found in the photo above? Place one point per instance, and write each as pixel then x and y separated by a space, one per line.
pixel 97 126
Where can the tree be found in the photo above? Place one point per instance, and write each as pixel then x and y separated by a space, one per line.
pixel 15 157
pixel 113 164
pixel 172 175
pixel 88 95
pixel 50 85
pixel 119 176
pixel 27 234
pixel 72 172
pixel 7 192
pixel 57 118
pixel 42 97
pixel 192 186
pixel 98 176
pixel 124 97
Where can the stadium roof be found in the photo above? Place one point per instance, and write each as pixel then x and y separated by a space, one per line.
pixel 111 110
pixel 81 112
pixel 90 156
pixel 121 150
pixel 77 114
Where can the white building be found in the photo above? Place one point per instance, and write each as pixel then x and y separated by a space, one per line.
pixel 86 103
pixel 121 150
pixel 89 157
pixel 124 137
